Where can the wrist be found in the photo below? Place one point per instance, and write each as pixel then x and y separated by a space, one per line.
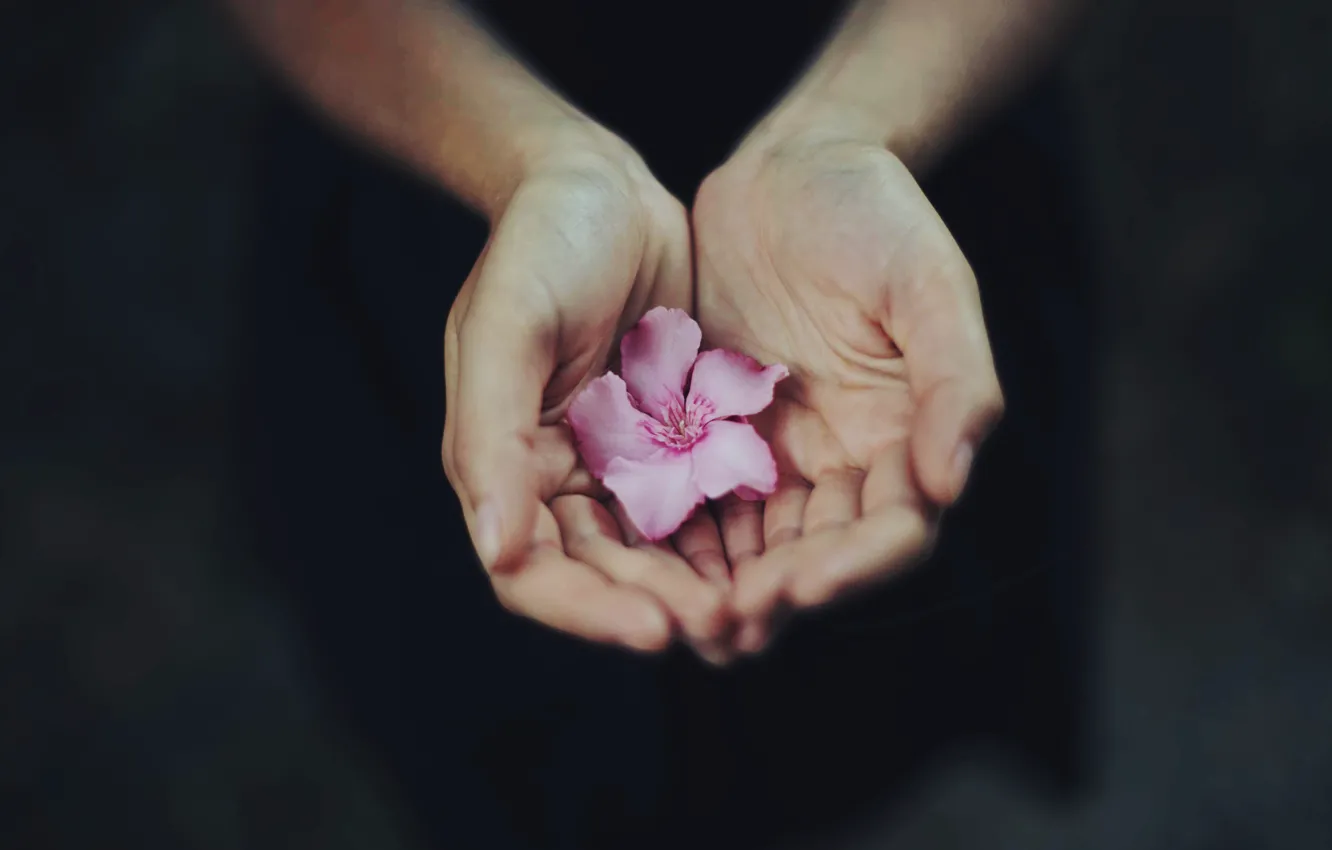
pixel 807 115
pixel 817 112
pixel 559 144
pixel 910 75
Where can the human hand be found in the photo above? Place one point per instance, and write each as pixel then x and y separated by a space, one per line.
pixel 818 250
pixel 586 244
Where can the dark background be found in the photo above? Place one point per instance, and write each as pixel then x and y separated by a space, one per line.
pixel 154 687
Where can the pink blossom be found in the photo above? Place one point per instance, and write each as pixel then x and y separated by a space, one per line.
pixel 663 451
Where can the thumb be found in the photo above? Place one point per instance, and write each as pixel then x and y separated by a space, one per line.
pixel 955 388
pixel 953 417
pixel 504 357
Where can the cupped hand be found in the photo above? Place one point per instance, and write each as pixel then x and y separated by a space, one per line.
pixel 821 252
pixel 587 243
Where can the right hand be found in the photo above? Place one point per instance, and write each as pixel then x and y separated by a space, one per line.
pixel 817 249
pixel 587 243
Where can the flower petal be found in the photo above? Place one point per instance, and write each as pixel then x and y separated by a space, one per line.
pixel 607 425
pixel 656 357
pixel 658 495
pixel 732 456
pixel 732 384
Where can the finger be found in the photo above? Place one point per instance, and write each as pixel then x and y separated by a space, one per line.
pixel 835 500
pixel 554 457
pixel 833 504
pixel 505 357
pixel 896 526
pixel 871 550
pixel 891 498
pixel 592 535
pixel 571 597
pixel 712 644
pixel 710 641
pixel 941 330
pixel 756 635
pixel 783 520
pixel 784 512
pixel 868 548
pixel 952 421
pixel 700 543
pixel 760 584
pixel 559 471
pixel 892 481
pixel 741 529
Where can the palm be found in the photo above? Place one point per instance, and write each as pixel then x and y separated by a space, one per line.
pixel 803 274
pixel 570 223
pixel 828 258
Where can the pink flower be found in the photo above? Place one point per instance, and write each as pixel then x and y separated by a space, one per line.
pixel 662 452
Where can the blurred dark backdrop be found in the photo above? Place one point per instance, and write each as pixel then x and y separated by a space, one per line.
pixel 154 691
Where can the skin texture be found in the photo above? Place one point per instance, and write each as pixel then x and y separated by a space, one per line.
pixel 815 248
pixel 825 255
pixel 576 256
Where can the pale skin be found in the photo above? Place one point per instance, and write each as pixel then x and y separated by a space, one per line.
pixel 873 308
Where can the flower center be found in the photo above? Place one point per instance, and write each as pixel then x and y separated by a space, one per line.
pixel 681 424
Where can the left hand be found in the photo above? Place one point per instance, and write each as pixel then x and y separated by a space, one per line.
pixel 818 250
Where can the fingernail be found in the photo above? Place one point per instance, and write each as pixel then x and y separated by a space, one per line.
pixel 962 459
pixel 488 533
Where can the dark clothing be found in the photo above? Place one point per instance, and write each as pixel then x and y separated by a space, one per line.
pixel 505 735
